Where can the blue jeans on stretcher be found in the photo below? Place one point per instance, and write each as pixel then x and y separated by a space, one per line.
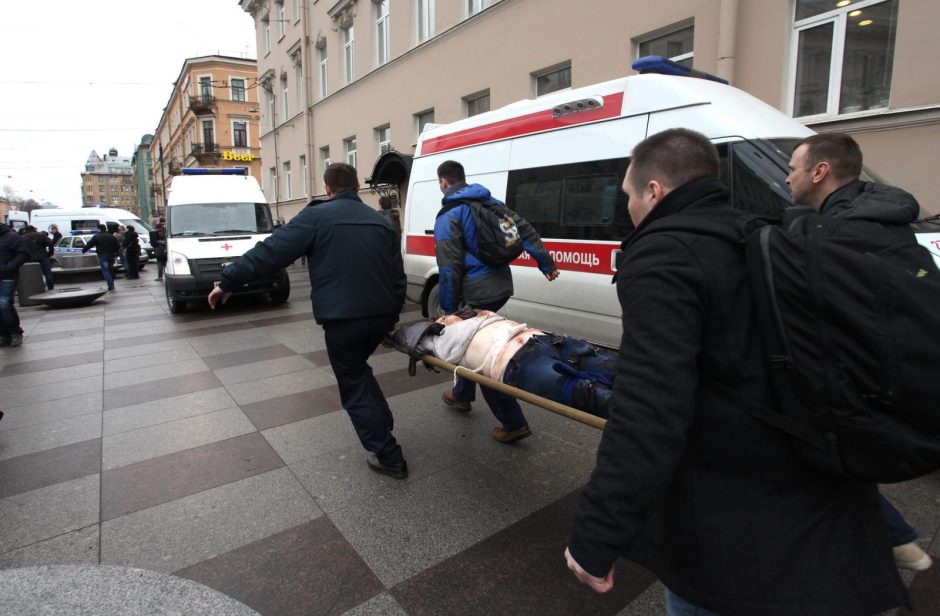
pixel 503 406
pixel 567 370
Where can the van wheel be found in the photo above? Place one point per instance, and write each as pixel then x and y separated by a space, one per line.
pixel 176 306
pixel 434 303
pixel 282 293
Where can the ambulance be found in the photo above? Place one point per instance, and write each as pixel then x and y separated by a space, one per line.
pixel 559 162
pixel 213 216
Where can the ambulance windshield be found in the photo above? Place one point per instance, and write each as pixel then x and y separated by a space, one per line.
pixel 216 219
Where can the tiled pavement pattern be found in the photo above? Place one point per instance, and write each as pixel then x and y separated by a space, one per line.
pixel 212 446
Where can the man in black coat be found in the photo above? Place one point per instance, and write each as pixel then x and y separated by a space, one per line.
pixel 824 175
pixel 108 248
pixel 358 288
pixel 688 484
pixel 131 246
pixel 13 254
pixel 40 249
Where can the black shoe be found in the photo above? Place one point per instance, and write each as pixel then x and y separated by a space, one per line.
pixel 398 471
pixel 4 342
pixel 16 340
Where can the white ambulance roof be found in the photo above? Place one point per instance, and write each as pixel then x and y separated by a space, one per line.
pixel 192 189
pixel 732 110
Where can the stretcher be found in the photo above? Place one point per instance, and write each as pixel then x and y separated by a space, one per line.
pixel 432 362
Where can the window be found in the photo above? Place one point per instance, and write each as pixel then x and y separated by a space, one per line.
pixel 208 133
pixel 475 6
pixel 240 134
pixel 305 180
pixel 299 80
pixel 383 139
pixel 349 53
pixel 298 7
pixel 349 148
pixel 843 56
pixel 381 32
pixel 578 201
pixel 477 103
pixel 271 118
pixel 205 88
pixel 324 90
pixel 325 160
pixel 552 80
pixel 238 89
pixel 423 119
pixel 284 99
pixel 424 19
pixel 267 34
pixel 281 20
pixel 289 192
pixel 272 182
pixel 675 46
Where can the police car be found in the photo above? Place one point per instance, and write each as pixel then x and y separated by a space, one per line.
pixel 70 246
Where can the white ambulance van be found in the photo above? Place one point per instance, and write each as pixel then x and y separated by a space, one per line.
pixel 559 161
pixel 83 221
pixel 213 216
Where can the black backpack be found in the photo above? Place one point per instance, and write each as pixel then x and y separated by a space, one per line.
pixel 498 239
pixel 850 320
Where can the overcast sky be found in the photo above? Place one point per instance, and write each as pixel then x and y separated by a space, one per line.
pixel 83 76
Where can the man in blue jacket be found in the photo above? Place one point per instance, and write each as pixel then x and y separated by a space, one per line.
pixel 13 254
pixel 464 279
pixel 357 287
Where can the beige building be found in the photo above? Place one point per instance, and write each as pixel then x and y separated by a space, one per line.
pixel 107 180
pixel 345 80
pixel 211 120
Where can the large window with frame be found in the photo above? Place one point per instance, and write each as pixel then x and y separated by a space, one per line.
pixel 240 134
pixel 552 80
pixel 424 18
pixel 675 45
pixel 477 103
pixel 475 6
pixel 422 119
pixel 238 89
pixel 349 54
pixel 349 149
pixel 324 88
pixel 842 56
pixel 381 32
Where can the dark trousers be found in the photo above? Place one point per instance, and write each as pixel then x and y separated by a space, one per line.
pixel 9 319
pixel 901 532
pixel 131 267
pixel 46 266
pixel 503 406
pixel 349 343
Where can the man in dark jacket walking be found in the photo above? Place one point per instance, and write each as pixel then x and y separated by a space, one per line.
pixel 13 254
pixel 464 279
pixel 40 249
pixel 131 246
pixel 824 175
pixel 687 484
pixel 107 248
pixel 358 288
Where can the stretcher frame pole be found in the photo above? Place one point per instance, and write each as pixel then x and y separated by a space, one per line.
pixel 549 405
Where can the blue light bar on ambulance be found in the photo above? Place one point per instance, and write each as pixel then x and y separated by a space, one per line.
pixel 662 66
pixel 214 171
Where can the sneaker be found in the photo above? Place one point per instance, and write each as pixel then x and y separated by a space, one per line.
pixel 110 289
pixel 461 405
pixel 398 471
pixel 910 556
pixel 16 340
pixel 511 436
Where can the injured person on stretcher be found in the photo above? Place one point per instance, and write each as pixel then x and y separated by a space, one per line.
pixel 567 370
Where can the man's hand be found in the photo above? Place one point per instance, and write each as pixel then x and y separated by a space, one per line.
pixel 218 296
pixel 552 275
pixel 600 585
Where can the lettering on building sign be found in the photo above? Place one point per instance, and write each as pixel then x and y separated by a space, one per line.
pixel 228 155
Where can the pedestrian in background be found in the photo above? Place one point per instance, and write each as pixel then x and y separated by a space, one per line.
pixel 466 280
pixel 358 288
pixel 158 241
pixel 824 175
pixel 56 235
pixel 688 484
pixel 131 247
pixel 13 254
pixel 107 248
pixel 119 234
pixel 392 213
pixel 40 249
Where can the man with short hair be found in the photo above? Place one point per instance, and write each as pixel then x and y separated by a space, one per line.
pixel 464 279
pixel 40 250
pixel 824 175
pixel 13 254
pixel 687 483
pixel 107 247
pixel 358 288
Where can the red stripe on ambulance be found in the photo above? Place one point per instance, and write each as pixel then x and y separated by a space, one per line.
pixel 568 256
pixel 528 124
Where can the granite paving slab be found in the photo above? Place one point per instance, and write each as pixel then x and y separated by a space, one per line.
pixel 311 437
pixel 127 378
pixel 65 388
pixel 55 361
pixel 38 379
pixel 380 605
pixel 238 358
pixel 54 410
pixel 77 547
pixel 49 467
pixel 39 437
pixel 165 410
pixel 155 363
pixel 262 368
pixel 154 390
pixel 47 512
pixel 293 407
pixel 149 348
pixel 274 386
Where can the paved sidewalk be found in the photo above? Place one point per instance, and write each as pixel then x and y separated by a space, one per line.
pixel 212 448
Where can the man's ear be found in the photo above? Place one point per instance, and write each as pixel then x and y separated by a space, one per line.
pixel 329 190
pixel 656 190
pixel 821 171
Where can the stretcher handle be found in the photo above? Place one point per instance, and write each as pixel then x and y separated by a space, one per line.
pixel 549 405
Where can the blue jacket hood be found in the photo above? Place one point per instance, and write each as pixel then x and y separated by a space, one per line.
pixel 462 192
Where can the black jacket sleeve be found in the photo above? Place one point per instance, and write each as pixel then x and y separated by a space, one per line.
pixel 277 251
pixel 661 291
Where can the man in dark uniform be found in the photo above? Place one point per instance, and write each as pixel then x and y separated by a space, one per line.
pixel 108 248
pixel 13 254
pixel 358 288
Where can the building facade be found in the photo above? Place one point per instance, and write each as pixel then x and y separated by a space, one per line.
pixel 210 120
pixel 107 180
pixel 142 172
pixel 346 80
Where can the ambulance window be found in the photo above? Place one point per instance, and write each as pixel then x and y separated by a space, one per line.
pixel 539 199
pixel 758 182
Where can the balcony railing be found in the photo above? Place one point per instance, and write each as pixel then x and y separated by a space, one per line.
pixel 205 152
pixel 202 104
